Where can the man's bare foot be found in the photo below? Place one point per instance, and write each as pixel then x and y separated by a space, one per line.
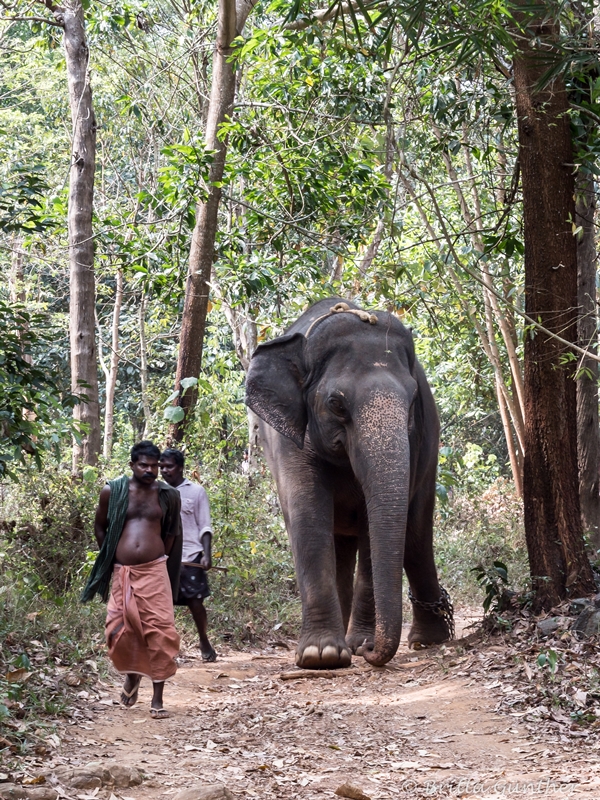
pixel 129 693
pixel 208 653
pixel 159 713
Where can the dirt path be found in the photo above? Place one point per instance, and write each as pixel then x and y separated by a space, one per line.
pixel 426 725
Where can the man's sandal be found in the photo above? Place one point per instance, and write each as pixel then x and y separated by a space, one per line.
pixel 159 713
pixel 209 656
pixel 131 697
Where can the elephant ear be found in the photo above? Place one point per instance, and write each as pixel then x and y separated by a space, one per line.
pixel 274 385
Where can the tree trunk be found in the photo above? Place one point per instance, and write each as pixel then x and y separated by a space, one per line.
pixel 16 276
pixel 111 377
pixel 144 369
pixel 557 558
pixel 588 445
pixel 82 300
pixel 245 340
pixel 231 22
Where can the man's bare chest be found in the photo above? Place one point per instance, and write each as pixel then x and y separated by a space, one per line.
pixel 144 506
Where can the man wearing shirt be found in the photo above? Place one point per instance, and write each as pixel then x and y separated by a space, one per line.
pixel 197 538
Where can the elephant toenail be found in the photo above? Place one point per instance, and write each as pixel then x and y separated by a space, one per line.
pixel 330 653
pixel 312 651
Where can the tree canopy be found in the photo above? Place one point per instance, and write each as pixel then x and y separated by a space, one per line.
pixel 370 149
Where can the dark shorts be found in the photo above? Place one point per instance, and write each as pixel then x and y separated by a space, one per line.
pixel 193 583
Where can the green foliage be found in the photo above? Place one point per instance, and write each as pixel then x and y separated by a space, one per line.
pixel 493 580
pixel 471 470
pixel 182 181
pixel 34 412
pixel 548 658
pixel 174 414
pixel 257 595
pixel 45 535
pixel 21 206
pixel 47 522
pixel 480 529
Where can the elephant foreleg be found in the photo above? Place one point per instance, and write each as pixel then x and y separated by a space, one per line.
pixel 345 560
pixel 428 627
pixel 362 622
pixel 322 643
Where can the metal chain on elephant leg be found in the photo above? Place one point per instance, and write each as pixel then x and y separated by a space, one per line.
pixel 442 608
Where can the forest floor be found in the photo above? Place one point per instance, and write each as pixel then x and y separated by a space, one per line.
pixel 468 719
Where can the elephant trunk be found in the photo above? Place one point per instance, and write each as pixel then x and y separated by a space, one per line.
pixel 383 468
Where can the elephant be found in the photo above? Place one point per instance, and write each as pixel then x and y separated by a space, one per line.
pixel 350 432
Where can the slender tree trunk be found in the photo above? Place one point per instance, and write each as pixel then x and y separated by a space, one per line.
pixel 557 558
pixel 82 299
pixel 144 369
pixel 505 401
pixel 16 282
pixel 111 377
pixel 245 341
pixel 17 273
pixel 588 444
pixel 231 22
pixel 378 234
pixel 516 464
pixel 511 411
pixel 18 294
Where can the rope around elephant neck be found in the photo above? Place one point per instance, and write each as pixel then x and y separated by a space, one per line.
pixel 343 308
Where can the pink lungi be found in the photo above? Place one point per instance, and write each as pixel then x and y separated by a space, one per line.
pixel 140 625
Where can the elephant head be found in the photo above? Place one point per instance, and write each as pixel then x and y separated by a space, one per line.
pixel 353 388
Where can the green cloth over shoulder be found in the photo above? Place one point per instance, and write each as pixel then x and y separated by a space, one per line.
pixel 118 502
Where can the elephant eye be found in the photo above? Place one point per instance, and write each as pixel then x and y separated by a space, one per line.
pixel 336 405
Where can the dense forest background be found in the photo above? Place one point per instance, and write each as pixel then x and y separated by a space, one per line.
pixel 367 150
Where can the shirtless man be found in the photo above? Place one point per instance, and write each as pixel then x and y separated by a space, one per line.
pixel 137 525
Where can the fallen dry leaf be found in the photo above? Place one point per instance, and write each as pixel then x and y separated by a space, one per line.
pixel 6 743
pixel 18 675
pixel 353 792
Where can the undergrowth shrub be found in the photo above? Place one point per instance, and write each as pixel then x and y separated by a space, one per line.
pixel 256 597
pixel 45 534
pixel 46 524
pixel 474 529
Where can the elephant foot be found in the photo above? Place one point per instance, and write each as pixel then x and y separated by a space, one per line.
pixel 322 652
pixel 433 621
pixel 428 629
pixel 357 639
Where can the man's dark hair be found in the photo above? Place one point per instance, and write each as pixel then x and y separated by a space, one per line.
pixel 174 455
pixel 144 448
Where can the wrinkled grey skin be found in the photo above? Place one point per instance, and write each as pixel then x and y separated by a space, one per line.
pixel 351 436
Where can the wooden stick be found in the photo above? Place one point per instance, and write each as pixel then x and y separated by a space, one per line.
pixel 197 566
pixel 297 674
